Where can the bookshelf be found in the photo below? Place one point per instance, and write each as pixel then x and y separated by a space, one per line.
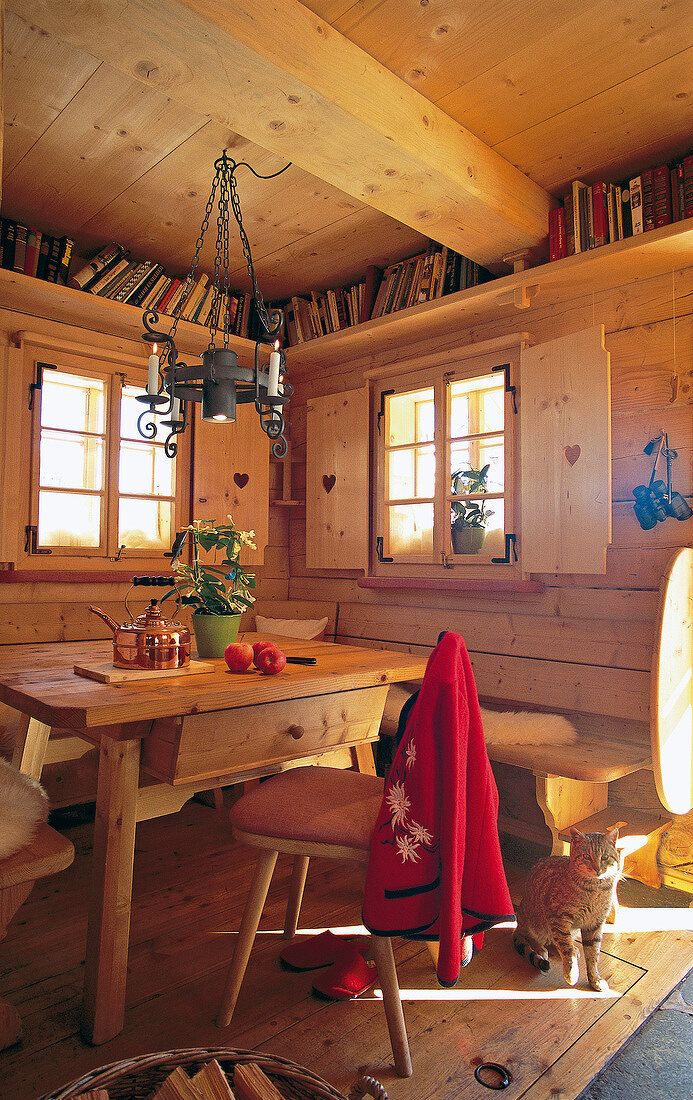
pixel 38 298
pixel 611 265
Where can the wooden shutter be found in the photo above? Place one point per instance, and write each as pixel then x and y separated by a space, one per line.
pixel 231 477
pixel 565 442
pixel 337 481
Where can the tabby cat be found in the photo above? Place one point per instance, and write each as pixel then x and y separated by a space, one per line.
pixel 565 894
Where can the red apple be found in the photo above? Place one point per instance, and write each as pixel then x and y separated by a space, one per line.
pixel 270 659
pixel 239 656
pixel 258 647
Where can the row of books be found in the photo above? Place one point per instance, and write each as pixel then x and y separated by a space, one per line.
pixel 31 252
pixel 113 273
pixel 598 213
pixel 421 278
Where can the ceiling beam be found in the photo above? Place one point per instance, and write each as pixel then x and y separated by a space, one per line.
pixel 280 76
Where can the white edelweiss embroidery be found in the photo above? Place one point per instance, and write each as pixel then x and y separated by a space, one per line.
pixel 411 754
pixel 398 803
pixel 420 834
pixel 406 847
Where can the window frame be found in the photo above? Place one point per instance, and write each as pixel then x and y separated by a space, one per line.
pixel 438 371
pixel 117 373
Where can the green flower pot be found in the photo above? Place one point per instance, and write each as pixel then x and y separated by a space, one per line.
pixel 214 632
pixel 467 540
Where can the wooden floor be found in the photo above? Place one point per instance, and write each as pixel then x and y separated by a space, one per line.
pixel 190 884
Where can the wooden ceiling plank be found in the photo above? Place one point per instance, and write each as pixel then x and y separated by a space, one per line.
pixel 108 135
pixel 318 99
pixel 591 54
pixel 40 77
pixel 648 120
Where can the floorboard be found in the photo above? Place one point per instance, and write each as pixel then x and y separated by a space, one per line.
pixel 189 890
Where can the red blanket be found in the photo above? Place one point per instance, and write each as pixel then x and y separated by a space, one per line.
pixel 435 870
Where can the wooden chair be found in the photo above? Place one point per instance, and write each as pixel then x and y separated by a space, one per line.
pixel 308 812
pixel 47 853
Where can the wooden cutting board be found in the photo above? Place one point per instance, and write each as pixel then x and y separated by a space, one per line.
pixel 107 673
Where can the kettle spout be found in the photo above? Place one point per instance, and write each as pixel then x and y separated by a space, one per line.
pixel 110 623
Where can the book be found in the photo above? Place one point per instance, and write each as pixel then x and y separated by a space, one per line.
pixel 636 205
pixel 676 183
pixel 385 284
pixel 53 262
pixel 569 223
pixel 203 301
pixel 600 217
pixel 661 189
pixel 133 281
pixel 110 254
pixel 647 183
pixel 109 274
pixel 33 249
pixel 413 295
pixel 579 216
pixel 142 291
pixel 439 266
pixel 44 253
pixel 163 304
pixel 687 206
pixel 374 277
pixel 64 258
pixel 157 292
pixel 9 236
pixel 625 208
pixel 195 297
pixel 427 273
pixel 115 282
pixel 21 233
pixel 584 218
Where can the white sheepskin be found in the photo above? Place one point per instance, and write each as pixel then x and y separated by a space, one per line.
pixel 23 805
pixel 526 728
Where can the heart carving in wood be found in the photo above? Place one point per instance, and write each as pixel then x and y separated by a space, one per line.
pixel 329 482
pixel 572 454
pixel 241 480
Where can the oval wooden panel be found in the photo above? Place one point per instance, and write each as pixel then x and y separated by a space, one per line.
pixel 672 687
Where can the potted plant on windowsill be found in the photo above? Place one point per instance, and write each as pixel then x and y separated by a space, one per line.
pixel 217 591
pixel 468 518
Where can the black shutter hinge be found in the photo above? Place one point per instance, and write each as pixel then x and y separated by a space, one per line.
pixel 381 414
pixel 40 367
pixel 30 541
pixel 510 540
pixel 505 367
pixel 379 549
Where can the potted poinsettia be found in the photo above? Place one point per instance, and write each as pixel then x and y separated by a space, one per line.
pixel 214 585
pixel 468 518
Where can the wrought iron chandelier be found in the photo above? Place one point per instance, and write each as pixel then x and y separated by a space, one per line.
pixel 218 383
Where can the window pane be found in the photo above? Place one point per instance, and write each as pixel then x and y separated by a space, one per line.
pixel 412 473
pixel 493 410
pixel 70 461
pixel 144 524
pixel 130 409
pixel 69 519
pixel 477 405
pixel 410 529
pixel 144 468
pixel 492 451
pixel 459 414
pixel 487 539
pixel 460 457
pixel 71 402
pixel 411 417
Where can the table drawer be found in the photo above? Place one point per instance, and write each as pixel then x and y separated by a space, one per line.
pixel 229 742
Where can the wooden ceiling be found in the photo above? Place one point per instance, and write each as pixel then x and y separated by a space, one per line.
pixel 403 119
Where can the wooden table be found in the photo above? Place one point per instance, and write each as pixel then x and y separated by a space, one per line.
pixel 192 732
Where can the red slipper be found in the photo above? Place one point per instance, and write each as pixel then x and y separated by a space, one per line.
pixel 348 977
pixel 317 951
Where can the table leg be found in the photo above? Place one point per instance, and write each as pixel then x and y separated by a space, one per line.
pixel 30 750
pixel 108 932
pixel 362 758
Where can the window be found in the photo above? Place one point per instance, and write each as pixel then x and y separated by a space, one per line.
pixel 445 466
pixel 98 489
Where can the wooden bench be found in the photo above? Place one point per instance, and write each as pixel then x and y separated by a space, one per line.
pixel 572 780
pixel 47 853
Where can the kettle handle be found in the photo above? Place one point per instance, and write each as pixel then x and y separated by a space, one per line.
pixel 158 582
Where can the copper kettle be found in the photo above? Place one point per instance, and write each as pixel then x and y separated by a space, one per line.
pixel 150 641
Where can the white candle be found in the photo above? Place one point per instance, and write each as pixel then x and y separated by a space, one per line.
pixel 273 374
pixel 153 373
pixel 175 410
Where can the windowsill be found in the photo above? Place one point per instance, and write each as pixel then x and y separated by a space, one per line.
pixel 64 576
pixel 452 584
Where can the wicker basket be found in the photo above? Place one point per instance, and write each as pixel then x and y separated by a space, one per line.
pixel 138 1078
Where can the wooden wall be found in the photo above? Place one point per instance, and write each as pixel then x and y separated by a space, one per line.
pixel 604 624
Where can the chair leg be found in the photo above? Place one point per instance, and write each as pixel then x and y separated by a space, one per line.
pixel 293 904
pixel 392 1002
pixel 246 935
